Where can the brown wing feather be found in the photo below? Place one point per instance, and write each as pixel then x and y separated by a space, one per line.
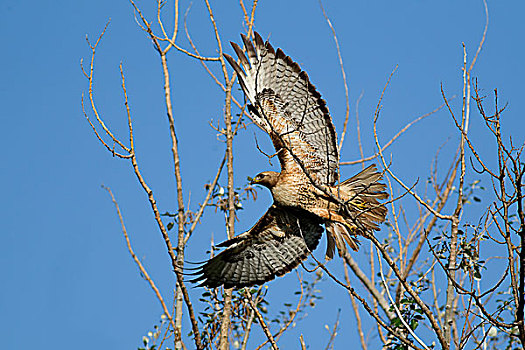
pixel 288 107
pixel 275 245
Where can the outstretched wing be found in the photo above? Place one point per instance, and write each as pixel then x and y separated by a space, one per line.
pixel 288 107
pixel 275 245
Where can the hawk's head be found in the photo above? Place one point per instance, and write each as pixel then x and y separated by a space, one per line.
pixel 266 178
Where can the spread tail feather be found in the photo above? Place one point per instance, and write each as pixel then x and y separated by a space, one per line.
pixel 337 235
pixel 363 192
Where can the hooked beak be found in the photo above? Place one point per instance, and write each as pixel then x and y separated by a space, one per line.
pixel 254 181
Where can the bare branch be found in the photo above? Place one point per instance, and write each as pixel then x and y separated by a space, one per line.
pixel 343 74
pixel 263 324
pixel 143 271
pixel 356 312
pixel 206 200
pixel 363 302
pixel 392 302
pixel 369 285
pixel 333 332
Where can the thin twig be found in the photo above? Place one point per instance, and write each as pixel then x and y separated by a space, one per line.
pixel 392 302
pixel 343 74
pixel 356 312
pixel 263 324
pixel 293 313
pixel 141 267
pixel 333 332
pixel 394 138
pixel 368 309
pixel 205 202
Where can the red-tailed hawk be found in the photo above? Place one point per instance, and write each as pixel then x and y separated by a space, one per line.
pixel 288 107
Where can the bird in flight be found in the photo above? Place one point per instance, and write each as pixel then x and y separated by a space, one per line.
pixel 306 194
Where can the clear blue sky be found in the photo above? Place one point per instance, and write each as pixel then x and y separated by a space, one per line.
pixel 67 278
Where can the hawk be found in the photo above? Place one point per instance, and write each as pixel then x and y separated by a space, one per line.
pixel 306 194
